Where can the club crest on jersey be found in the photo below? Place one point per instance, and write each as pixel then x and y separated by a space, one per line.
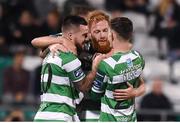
pixel 78 73
pixel 129 62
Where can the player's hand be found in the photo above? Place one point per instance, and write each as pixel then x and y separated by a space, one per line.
pixel 96 60
pixel 124 94
pixel 55 48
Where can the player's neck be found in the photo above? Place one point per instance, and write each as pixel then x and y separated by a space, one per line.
pixel 71 45
pixel 121 46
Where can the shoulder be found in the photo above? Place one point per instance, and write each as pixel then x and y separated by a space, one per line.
pixel 137 53
pixel 103 65
pixel 67 57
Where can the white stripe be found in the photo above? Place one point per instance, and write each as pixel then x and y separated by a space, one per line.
pixel 56 79
pixel 48 97
pixel 72 65
pixel 111 62
pixel 53 116
pixel 99 74
pixel 91 114
pixel 56 60
pixel 96 90
pixel 106 78
pixel 120 112
pixel 136 53
pixel 127 56
pixel 123 59
pixel 117 79
pixel 81 96
pixel 127 76
pixel 109 94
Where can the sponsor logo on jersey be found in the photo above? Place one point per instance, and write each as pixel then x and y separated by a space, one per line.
pixel 78 73
pixel 98 83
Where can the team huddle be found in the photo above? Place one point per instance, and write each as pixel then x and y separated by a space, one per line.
pixel 114 79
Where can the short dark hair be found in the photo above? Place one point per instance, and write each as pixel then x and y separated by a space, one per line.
pixel 71 21
pixel 123 27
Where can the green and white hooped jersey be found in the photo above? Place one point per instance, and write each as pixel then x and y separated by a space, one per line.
pixel 59 98
pixel 114 73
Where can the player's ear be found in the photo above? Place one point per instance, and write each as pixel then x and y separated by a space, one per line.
pixel 113 35
pixel 70 36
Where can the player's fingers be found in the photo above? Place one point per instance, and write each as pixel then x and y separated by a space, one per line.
pixel 97 54
pixel 54 52
pixel 62 48
pixel 120 91
pixel 119 94
pixel 120 97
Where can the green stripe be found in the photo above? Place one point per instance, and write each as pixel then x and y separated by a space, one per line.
pixel 112 103
pixel 63 90
pixel 56 70
pixel 95 96
pixel 67 57
pixel 56 107
pixel 123 85
pixel 89 120
pixel 40 120
pixel 108 117
pixel 116 57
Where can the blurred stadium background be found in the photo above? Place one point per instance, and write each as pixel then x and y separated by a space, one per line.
pixel 156 36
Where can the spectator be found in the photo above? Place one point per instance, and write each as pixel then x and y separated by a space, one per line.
pixel 3 32
pixel 139 6
pixel 70 3
pixel 17 6
pixel 16 81
pixel 52 24
pixel 45 8
pixel 36 80
pixel 25 30
pixel 15 115
pixel 167 20
pixel 111 5
pixel 81 10
pixel 155 100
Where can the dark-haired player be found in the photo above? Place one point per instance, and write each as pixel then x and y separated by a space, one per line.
pixel 62 76
pixel 124 65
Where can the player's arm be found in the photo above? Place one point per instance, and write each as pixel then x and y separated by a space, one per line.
pixel 141 88
pixel 81 82
pixel 85 84
pixel 130 92
pixel 45 41
pixel 99 84
pixel 54 43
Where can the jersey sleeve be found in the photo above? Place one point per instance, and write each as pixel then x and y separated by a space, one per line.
pixel 73 69
pixel 99 83
pixel 143 61
pixel 141 58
